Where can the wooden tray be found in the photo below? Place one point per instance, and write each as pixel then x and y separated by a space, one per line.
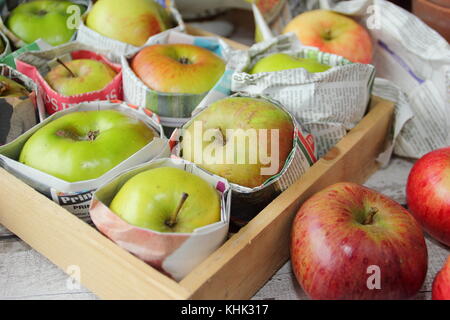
pixel 234 271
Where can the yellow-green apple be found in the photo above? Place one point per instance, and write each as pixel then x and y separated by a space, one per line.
pixel 84 145
pixel 351 242
pixel 79 76
pixel 131 21
pixel 167 199
pixel 428 193
pixel 45 19
pixel 334 33
pixel 441 283
pixel 2 45
pixel 283 61
pixel 11 88
pixel 245 140
pixel 178 68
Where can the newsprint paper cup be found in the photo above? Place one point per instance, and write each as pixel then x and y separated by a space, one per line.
pixel 248 202
pixel 76 196
pixel 7 6
pixel 37 64
pixel 174 108
pixel 95 39
pixel 327 104
pixel 176 254
pixel 17 114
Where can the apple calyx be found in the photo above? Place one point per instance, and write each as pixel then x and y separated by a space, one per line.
pixel 173 219
pixel 220 137
pixel 184 60
pixel 66 67
pixel 327 35
pixel 41 12
pixel 370 215
pixel 91 135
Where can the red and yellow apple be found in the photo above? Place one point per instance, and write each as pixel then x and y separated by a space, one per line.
pixel 178 68
pixel 441 283
pixel 428 193
pixel 231 135
pixel 334 33
pixel 131 21
pixel 351 242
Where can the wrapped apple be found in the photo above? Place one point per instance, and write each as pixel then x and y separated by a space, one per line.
pixel 123 26
pixel 55 22
pixel 168 212
pixel 327 93
pixel 173 73
pixel 71 153
pixel 73 73
pixel 253 142
pixel 18 98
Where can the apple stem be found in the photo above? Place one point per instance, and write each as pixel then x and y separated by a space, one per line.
pixel 370 215
pixel 66 67
pixel 173 220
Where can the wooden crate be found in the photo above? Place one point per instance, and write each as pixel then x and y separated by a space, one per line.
pixel 234 271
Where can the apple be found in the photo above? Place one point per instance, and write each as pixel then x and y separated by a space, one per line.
pixel 334 33
pixel 178 68
pixel 45 19
pixel 2 46
pixel 283 61
pixel 351 242
pixel 79 76
pixel 11 88
pixel 441 283
pixel 167 199
pixel 131 21
pixel 84 145
pixel 235 127
pixel 428 193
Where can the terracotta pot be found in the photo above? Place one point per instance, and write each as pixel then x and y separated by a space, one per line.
pixel 435 13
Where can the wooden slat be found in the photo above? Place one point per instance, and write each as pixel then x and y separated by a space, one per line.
pixel 245 262
pixel 106 269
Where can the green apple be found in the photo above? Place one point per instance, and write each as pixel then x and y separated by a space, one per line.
pixel 11 88
pixel 45 19
pixel 283 61
pixel 131 21
pixel 84 145
pixel 2 45
pixel 178 68
pixel 167 199
pixel 79 76
pixel 228 139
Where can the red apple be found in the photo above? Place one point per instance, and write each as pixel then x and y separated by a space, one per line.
pixel 334 33
pixel 441 283
pixel 178 68
pixel 428 193
pixel 351 242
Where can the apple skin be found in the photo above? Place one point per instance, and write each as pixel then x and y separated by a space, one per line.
pixel 131 21
pixel 178 68
pixel 11 88
pixel 441 283
pixel 91 75
pixel 69 147
pixel 428 193
pixel 334 33
pixel 241 113
pixel 331 247
pixel 283 61
pixel 46 19
pixel 150 198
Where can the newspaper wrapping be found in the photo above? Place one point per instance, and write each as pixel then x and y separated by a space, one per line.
pixel 176 254
pixel 412 64
pixel 76 196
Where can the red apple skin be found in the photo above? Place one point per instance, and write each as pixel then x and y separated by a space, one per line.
pixel 428 193
pixel 161 68
pixel 347 38
pixel 331 250
pixel 441 283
